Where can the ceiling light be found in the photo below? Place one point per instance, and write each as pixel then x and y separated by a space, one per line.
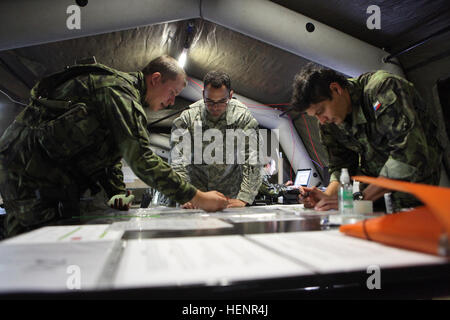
pixel 182 58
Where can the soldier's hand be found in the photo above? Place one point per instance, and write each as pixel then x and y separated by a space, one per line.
pixel 121 201
pixel 209 201
pixel 236 203
pixel 327 203
pixel 188 205
pixel 310 196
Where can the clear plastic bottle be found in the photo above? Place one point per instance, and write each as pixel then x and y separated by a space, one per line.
pixel 345 194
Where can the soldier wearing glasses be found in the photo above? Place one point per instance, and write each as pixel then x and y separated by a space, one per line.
pixel 217 110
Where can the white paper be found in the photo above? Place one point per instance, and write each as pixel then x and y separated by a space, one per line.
pixel 340 219
pixel 284 206
pixel 79 233
pixel 257 209
pixel 199 260
pixel 179 212
pixel 269 216
pixel 302 211
pixel 161 210
pixel 52 266
pixel 246 214
pixel 266 213
pixel 170 223
pixel 332 251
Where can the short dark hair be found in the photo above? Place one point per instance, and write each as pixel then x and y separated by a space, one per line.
pixel 167 66
pixel 217 79
pixel 312 85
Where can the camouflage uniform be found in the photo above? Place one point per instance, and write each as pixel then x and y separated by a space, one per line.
pixel 70 138
pixel 237 181
pixel 270 189
pixel 389 133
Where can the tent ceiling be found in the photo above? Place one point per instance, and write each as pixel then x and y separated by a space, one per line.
pixel 402 21
pixel 258 70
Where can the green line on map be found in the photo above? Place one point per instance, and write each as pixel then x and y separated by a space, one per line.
pixel 68 234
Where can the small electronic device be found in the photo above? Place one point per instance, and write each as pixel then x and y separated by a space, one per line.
pixel 302 177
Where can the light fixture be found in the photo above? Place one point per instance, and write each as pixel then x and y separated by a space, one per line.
pixel 182 58
pixel 189 38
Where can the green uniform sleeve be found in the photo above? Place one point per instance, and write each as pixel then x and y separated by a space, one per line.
pixel 112 180
pixel 264 188
pixel 410 157
pixel 180 146
pixel 131 135
pixel 251 179
pixel 339 156
pixel 270 189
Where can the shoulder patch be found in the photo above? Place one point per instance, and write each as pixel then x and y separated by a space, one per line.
pixel 376 105
pixel 383 101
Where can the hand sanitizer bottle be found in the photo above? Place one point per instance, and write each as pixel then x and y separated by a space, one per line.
pixel 345 194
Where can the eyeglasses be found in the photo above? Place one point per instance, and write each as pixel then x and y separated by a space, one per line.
pixel 220 104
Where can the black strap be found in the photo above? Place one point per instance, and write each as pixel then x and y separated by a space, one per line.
pixel 53 81
pixel 365 230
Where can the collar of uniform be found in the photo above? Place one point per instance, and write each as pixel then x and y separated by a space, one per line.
pixel 141 86
pixel 355 91
pixel 138 81
pixel 228 114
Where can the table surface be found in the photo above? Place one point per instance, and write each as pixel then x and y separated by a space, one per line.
pixel 259 226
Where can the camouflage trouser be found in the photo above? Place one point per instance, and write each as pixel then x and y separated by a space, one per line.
pixel 26 215
pixel 29 206
pixel 33 210
pixel 32 213
pixel 162 200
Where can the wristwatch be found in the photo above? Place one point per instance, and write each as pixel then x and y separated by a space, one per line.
pixel 358 196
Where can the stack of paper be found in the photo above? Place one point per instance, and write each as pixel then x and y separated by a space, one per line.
pixel 216 260
pixel 331 251
pixel 52 266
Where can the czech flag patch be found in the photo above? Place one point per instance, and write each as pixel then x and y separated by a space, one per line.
pixel 376 106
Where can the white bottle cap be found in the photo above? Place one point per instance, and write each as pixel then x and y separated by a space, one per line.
pixel 355 186
pixel 345 178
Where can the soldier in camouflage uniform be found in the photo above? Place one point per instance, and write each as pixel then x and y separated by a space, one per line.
pixel 271 189
pixel 374 125
pixel 71 137
pixel 217 111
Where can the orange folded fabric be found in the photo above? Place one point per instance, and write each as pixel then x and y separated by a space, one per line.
pixel 424 229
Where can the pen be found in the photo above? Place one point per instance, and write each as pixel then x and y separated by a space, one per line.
pixel 307 193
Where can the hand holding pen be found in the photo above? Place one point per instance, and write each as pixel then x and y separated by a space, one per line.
pixel 320 201
pixel 310 196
